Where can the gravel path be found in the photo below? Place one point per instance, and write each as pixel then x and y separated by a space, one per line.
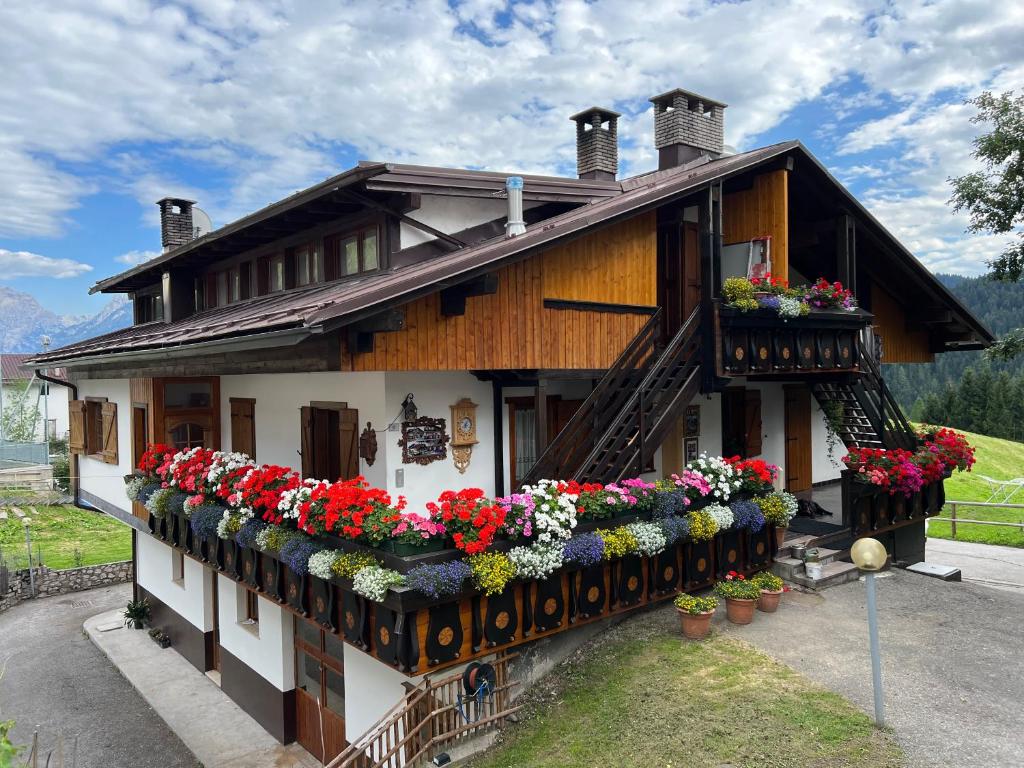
pixel 58 680
pixel 951 661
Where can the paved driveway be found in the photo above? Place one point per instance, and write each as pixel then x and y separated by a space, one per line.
pixel 58 680
pixel 952 661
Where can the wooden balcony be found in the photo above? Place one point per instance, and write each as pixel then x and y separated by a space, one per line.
pixel 761 343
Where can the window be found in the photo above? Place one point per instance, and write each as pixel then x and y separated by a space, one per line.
pixel 243 426
pixel 234 285
pixel 252 607
pixel 351 253
pixel 178 567
pixel 276 273
pixel 245 280
pixel 247 609
pixel 307 264
pixel 149 307
pixel 93 429
pixel 222 288
pixel 187 435
pixel 319 670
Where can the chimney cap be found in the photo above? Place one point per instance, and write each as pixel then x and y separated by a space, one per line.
pixel 163 200
pixel 586 113
pixel 667 96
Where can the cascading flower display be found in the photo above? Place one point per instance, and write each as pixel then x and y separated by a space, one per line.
pixel 155 461
pixel 718 474
pixel 471 521
pixel 537 561
pixel 373 582
pixel 518 508
pixel 826 295
pixel 650 538
pixel 259 492
pixel 437 580
pixel 894 470
pixel 584 550
pixel 676 528
pixel 747 514
pixel 754 475
pixel 721 514
pixel 491 571
pixel 555 508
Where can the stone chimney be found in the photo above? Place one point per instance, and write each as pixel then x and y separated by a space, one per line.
pixel 686 126
pixel 597 143
pixel 176 226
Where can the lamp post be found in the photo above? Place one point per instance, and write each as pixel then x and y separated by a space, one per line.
pixel 869 556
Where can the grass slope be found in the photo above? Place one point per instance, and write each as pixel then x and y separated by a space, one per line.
pixel 1000 460
pixel 59 531
pixel 642 696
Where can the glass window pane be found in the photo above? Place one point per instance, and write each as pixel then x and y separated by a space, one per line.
pixel 307 674
pixel 314 264
pixel 236 284
pixel 335 684
pixel 334 647
pixel 370 260
pixel 350 256
pixel 222 288
pixel 526 440
pixel 187 394
pixel 277 273
pixel 308 632
pixel 302 266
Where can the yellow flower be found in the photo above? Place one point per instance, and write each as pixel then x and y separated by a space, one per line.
pixel 492 571
pixel 618 542
pixel 702 526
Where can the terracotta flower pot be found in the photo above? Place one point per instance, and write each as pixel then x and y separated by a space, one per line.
pixel 769 601
pixel 695 625
pixel 780 536
pixel 739 611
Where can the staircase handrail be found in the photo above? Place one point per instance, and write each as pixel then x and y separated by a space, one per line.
pixel 903 434
pixel 639 350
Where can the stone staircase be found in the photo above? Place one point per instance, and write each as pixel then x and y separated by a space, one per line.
pixel 836 569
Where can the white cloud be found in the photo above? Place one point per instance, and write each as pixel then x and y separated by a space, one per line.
pixel 131 258
pixel 25 264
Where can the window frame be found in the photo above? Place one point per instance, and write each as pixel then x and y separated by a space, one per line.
pixel 94 427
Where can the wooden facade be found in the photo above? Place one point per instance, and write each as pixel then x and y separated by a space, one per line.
pixel 901 342
pixel 761 210
pixel 519 327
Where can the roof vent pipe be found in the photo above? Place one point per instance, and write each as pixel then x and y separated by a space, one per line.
pixel 515 224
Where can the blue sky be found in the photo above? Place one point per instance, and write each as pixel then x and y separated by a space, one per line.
pixel 107 106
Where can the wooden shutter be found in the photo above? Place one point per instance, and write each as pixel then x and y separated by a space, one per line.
pixel 752 421
pixel 306 444
pixel 243 426
pixel 76 427
pixel 348 431
pixel 109 432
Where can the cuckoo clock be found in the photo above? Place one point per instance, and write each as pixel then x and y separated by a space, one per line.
pixel 463 432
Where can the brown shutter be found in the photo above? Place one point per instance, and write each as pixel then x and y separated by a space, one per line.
pixel 306 438
pixel 243 426
pixel 348 428
pixel 752 421
pixel 109 444
pixel 76 427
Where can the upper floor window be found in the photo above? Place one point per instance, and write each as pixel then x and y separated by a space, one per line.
pixel 307 264
pixel 149 307
pixel 351 253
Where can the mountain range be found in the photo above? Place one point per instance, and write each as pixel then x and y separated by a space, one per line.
pixel 24 322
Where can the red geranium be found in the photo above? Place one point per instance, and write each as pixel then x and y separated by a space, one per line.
pixel 188 468
pixel 351 509
pixel 755 475
pixel 261 490
pixel 469 517
pixel 156 460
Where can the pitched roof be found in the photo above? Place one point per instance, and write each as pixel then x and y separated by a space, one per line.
pixel 14 368
pixel 302 312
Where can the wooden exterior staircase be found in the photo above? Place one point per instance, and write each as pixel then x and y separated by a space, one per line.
pixel 871 417
pixel 428 720
pixel 617 429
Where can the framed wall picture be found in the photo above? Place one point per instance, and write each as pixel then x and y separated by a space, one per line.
pixel 692 421
pixel 423 440
pixel 690 449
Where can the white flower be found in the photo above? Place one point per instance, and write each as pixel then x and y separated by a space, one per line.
pixel 263 536
pixel 789 501
pixel 722 516
pixel 133 486
pixel 555 514
pixel 650 538
pixel 537 561
pixel 157 502
pixel 373 582
pixel 292 500
pixel 320 563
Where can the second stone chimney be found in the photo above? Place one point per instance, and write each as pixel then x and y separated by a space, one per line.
pixel 686 126
pixel 176 227
pixel 597 143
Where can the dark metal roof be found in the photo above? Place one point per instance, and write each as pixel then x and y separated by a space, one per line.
pixel 324 307
pixel 14 368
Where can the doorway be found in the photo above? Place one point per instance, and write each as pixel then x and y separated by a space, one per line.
pixel 679 282
pixel 798 438
pixel 330 441
pixel 522 430
pixel 319 691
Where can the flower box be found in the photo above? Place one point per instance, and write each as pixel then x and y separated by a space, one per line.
pixel 729 552
pixel 272 577
pixel 322 606
pixel 404 549
pixel 232 558
pixel 250 566
pixel 296 589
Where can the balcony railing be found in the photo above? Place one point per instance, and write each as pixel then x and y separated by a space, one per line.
pixel 761 342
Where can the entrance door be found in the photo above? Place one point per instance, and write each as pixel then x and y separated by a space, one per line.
pixel 798 438
pixel 522 430
pixel 678 273
pixel 319 691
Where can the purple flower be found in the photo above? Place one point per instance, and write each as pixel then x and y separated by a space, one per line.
pixel 585 549
pixel 676 528
pixel 246 537
pixel 438 579
pixel 295 553
pixel 746 514
pixel 769 302
pixel 205 519
pixel 672 502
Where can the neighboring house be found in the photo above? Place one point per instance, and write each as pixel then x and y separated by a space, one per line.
pixel 289 333
pixel 50 400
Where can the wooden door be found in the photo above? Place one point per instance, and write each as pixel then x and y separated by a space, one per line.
pixel 691 268
pixel 678 273
pixel 559 413
pixel 319 691
pixel 798 438
pixel 243 426
pixel 330 441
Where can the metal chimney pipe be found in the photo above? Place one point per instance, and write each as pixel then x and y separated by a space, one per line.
pixel 515 224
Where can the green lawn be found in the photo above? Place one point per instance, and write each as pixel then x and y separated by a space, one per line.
pixel 1000 460
pixel 642 696
pixel 59 531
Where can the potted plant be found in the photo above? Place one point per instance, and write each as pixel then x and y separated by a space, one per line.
pixel 136 614
pixel 740 595
pixel 414 534
pixel 695 615
pixel 160 637
pixel 779 509
pixel 771 587
pixel 812 564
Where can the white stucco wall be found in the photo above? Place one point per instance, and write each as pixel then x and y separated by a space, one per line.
pixel 453 214
pixel 371 689
pixel 53 406
pixel 107 480
pixel 266 647
pixel 823 466
pixel 434 393
pixel 278 398
pixel 191 598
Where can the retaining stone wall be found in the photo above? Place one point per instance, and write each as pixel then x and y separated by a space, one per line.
pixel 50 582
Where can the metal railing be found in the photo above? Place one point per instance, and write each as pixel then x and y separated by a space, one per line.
pixel 953 519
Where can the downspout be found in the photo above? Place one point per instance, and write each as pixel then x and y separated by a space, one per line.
pixel 72 460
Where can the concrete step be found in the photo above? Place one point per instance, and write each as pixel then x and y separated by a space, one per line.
pixel 832 575
pixel 799 538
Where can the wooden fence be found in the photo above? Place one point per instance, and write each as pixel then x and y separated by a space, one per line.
pixel 953 519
